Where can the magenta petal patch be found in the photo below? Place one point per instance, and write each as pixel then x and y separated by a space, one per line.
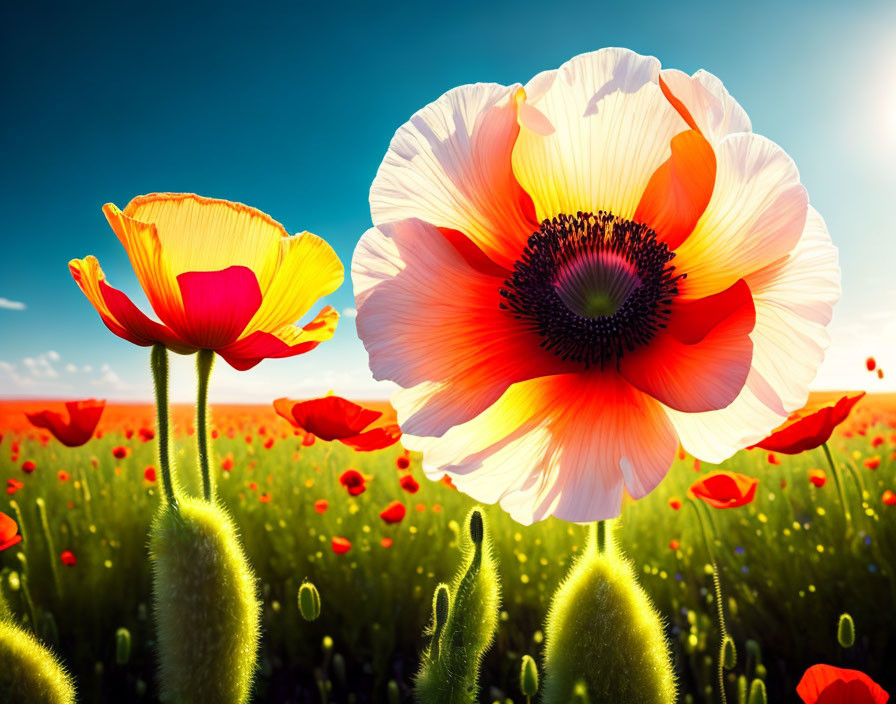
pixel 218 305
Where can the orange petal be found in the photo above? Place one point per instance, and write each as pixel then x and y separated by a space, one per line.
pixel 117 311
pixel 679 191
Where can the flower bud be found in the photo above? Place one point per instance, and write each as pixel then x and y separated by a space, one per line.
pixel 846 631
pixel 529 677
pixel 757 693
pixel 309 601
pixel 122 646
pixel 729 654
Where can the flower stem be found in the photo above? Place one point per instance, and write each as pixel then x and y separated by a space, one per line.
pixel 601 537
pixel 717 586
pixel 205 360
pixel 838 480
pixel 159 364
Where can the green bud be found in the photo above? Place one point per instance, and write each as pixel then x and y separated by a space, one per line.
pixel 30 672
pixel 205 604
pixel 309 601
pixel 476 528
pixel 761 672
pixel 529 677
pixel 580 693
pixel 122 646
pixel 846 631
pixel 440 618
pixel 729 653
pixel 603 632
pixel 742 689
pixel 327 645
pixel 393 695
pixel 757 693
pixel 339 669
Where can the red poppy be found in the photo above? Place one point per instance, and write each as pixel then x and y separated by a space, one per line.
pixel 674 544
pixel 386 542
pixel 308 440
pixel 13 485
pixel 773 458
pixel 321 505
pixel 353 480
pixel 817 477
pixel 84 416
pixel 149 474
pixel 335 418
pixel 68 558
pixel 872 462
pixel 28 466
pixel 341 545
pixel 870 364
pixel 8 532
pixel 269 443
pixel 725 489
pixel 409 484
pixel 810 427
pixel 402 463
pixel 120 452
pixel 394 512
pixel 825 684
pixel 227 462
pixel 877 441
pixel 889 498
pixel 146 434
pixel 264 497
pixel 674 504
pixel 63 475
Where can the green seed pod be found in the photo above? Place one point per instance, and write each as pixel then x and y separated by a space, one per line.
pixel 729 653
pixel 122 646
pixel 846 631
pixel 465 618
pixel 30 673
pixel 761 672
pixel 603 631
pixel 393 695
pixel 757 693
pixel 205 605
pixel 309 601
pixel 528 676
pixel 741 689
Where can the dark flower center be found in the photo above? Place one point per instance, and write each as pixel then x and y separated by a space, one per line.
pixel 593 286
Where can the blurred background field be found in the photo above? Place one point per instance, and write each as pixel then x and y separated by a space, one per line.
pixel 790 561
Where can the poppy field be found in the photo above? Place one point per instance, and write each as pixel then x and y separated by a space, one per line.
pixel 375 537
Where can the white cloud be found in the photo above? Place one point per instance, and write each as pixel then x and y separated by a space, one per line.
pixel 71 368
pixel 53 356
pixel 7 304
pixel 350 312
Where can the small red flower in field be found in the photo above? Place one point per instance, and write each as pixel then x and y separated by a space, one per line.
pixel 681 453
pixel 321 505
pixel 675 504
pixel 810 427
pixel 871 364
pixel 436 508
pixel 308 439
pixel 889 498
pixel 877 441
pixel 409 484
pixel 674 544
pixel 880 373
pixel 63 475
pixel 353 480
pixel 335 418
pixel 264 497
pixel 83 419
pixel 394 512
pixel 146 434
pixel 697 465
pixel 872 462
pixel 773 458
pixel 149 474
pixel 825 684
pixel 341 545
pixel 386 542
pixel 269 443
pixel 446 480
pixel 68 558
pixel 725 489
pixel 120 452
pixel 8 532
pixel 420 507
pixel 248 439
pixel 227 462
pixel 28 466
pixel 402 463
pixel 13 485
pixel 253 486
pixel 215 433
pixel 817 477
pixel 129 433
pixel 94 462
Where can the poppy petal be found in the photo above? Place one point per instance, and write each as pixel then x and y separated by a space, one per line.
pixel 375 439
pixel 704 103
pixel 217 305
pixel 825 684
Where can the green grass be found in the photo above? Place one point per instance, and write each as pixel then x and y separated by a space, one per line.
pixel 790 566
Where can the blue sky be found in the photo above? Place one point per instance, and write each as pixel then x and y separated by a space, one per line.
pixel 290 109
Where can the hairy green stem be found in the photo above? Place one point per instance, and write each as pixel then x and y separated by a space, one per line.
pixel 717 586
pixel 159 364
pixel 838 480
pixel 205 360
pixel 601 537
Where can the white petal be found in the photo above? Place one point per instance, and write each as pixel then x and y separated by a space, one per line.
pixel 715 113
